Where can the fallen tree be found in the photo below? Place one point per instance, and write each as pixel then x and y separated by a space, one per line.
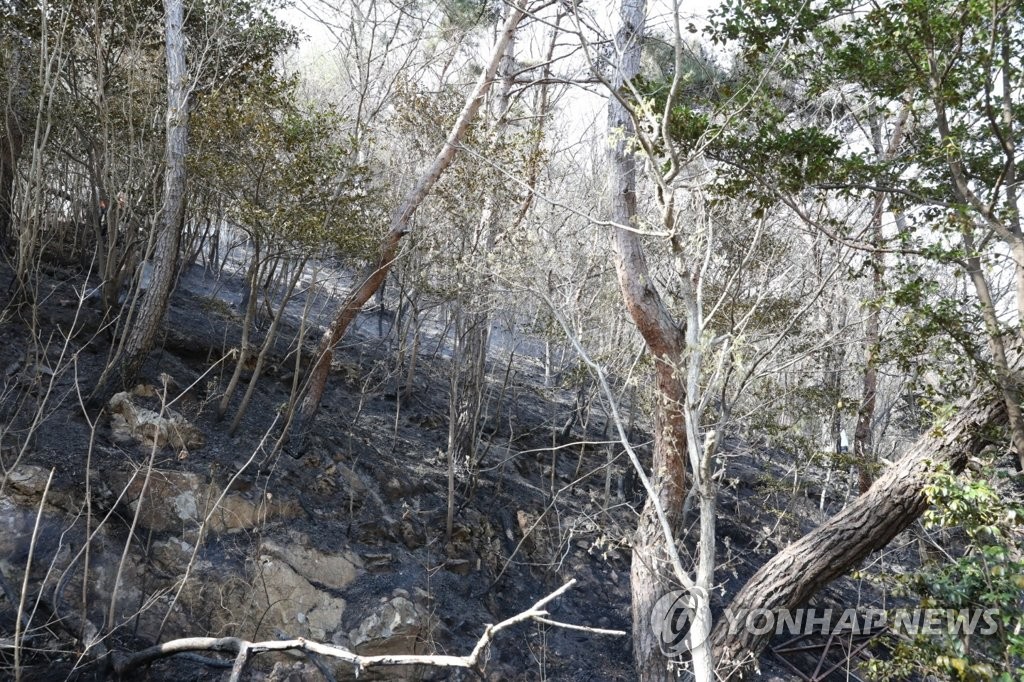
pixel 889 506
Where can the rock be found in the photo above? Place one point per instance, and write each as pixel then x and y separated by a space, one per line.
pixel 25 484
pixel 145 391
pixel 296 587
pixel 288 601
pixel 335 571
pixel 377 530
pixel 393 489
pixel 399 627
pixel 129 422
pixel 293 672
pixel 28 481
pixel 459 566
pixel 378 563
pixel 171 555
pixel 412 537
pixel 181 500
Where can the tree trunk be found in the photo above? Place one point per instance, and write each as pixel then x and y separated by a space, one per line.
pixel 1005 378
pixel 666 340
pixel 863 448
pixel 10 152
pixel 892 503
pixel 375 275
pixel 122 370
pixel 268 343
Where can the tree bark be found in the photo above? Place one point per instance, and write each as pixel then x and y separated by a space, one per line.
pixel 665 339
pixel 372 279
pixel 892 503
pixel 863 448
pixel 10 152
pixel 142 335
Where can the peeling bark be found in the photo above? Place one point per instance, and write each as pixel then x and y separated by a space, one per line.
pixel 666 340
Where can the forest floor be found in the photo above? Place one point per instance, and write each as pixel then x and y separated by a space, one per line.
pixel 372 478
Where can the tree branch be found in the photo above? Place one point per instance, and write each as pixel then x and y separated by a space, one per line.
pixel 244 650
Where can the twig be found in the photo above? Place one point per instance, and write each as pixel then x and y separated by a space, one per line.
pixel 18 634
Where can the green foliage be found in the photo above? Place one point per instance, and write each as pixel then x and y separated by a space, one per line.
pixel 985 572
pixel 467 14
pixel 763 24
pixel 822 75
pixel 284 175
pixel 700 86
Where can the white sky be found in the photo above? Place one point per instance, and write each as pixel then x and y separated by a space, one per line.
pixel 582 113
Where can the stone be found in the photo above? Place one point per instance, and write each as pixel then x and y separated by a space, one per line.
pixel 181 500
pixel 28 481
pixel 399 627
pixel 335 571
pixel 378 562
pixel 290 602
pixel 393 489
pixel 25 484
pixel 129 422
pixel 298 671
pixel 459 566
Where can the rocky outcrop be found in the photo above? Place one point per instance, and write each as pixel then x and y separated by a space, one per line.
pixel 298 587
pixel 179 501
pixel 129 422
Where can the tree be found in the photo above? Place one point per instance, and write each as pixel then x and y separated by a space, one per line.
pixel 373 277
pixel 666 340
pixel 953 180
pixel 892 503
pixel 142 336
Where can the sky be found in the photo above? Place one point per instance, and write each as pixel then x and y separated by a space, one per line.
pixel 582 112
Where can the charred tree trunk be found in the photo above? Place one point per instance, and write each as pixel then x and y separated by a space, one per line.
pixel 141 336
pixel 372 279
pixel 892 503
pixel 650 572
pixel 10 152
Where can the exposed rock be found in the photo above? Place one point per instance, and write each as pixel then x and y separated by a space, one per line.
pixel 377 530
pixel 181 500
pixel 292 604
pixel 129 422
pixel 296 588
pixel 25 484
pixel 459 566
pixel 297 671
pixel 399 627
pixel 335 571
pixel 412 536
pixel 379 562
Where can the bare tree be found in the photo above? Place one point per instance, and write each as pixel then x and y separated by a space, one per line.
pixel 372 279
pixel 666 340
pixel 142 335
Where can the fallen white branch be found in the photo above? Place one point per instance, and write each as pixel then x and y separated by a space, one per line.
pixel 243 649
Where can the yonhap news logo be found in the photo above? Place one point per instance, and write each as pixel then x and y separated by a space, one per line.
pixel 673 618
pixel 863 621
pixel 674 615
